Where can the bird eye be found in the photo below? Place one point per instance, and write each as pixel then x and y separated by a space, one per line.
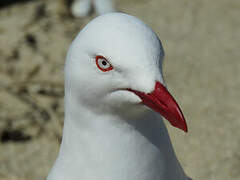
pixel 103 64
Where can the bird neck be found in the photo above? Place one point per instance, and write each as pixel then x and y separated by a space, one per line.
pixel 115 148
pixel 85 128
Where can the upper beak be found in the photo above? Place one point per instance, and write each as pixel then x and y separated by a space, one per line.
pixel 161 101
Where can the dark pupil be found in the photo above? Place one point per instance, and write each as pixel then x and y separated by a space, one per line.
pixel 104 63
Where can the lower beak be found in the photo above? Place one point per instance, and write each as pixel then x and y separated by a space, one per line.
pixel 161 101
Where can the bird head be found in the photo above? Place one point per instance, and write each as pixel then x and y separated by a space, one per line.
pixel 115 66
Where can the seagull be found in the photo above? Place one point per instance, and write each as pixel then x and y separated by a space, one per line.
pixel 115 98
pixel 81 8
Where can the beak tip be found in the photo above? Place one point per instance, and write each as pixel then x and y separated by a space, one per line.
pixel 185 129
pixel 182 125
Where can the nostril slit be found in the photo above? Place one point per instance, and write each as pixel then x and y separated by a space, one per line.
pixel 162 103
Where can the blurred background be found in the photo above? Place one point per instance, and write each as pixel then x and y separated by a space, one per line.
pixel 202 69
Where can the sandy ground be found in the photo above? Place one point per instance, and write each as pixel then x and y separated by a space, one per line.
pixel 202 70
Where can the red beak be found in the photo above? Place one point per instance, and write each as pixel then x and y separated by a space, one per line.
pixel 161 101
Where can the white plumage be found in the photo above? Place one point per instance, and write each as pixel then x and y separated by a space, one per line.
pixel 108 133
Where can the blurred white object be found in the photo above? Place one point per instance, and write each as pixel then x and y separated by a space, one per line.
pixel 81 8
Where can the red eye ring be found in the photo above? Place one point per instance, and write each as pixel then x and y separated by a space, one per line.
pixel 103 64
